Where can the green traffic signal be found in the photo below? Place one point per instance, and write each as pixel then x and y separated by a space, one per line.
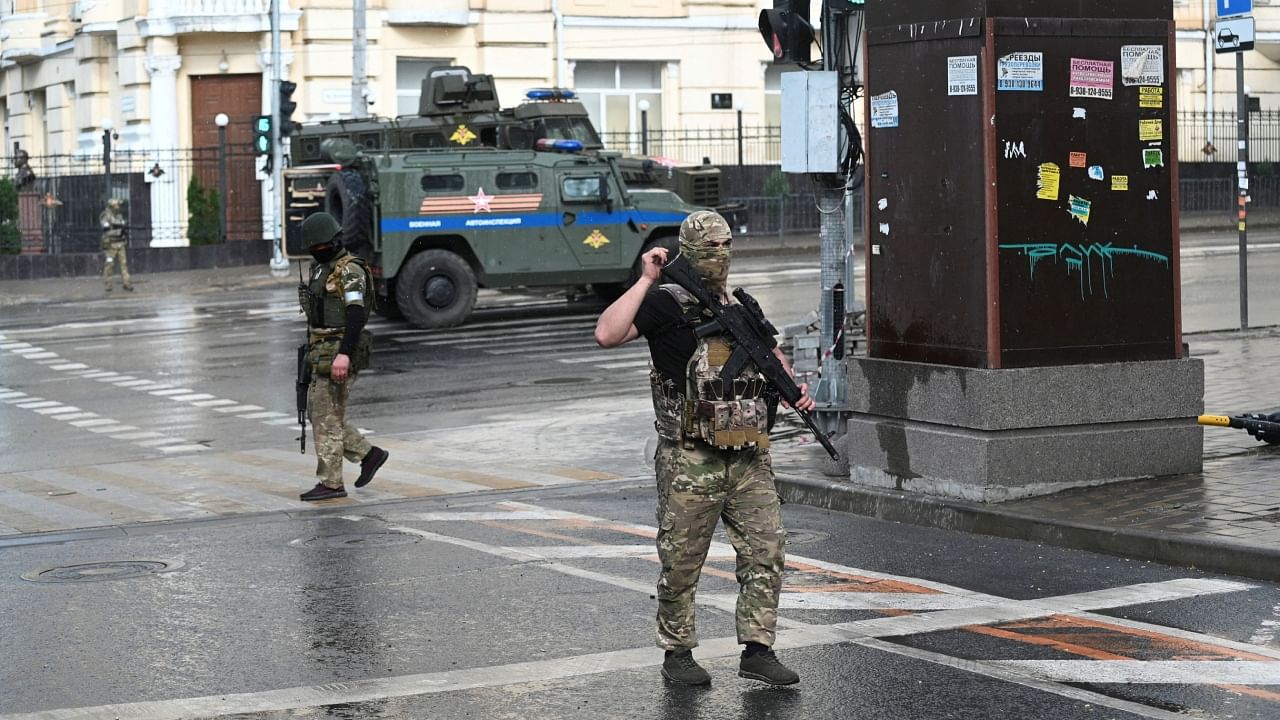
pixel 262 134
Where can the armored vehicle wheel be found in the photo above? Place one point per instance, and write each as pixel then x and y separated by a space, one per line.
pixel 436 289
pixel 346 198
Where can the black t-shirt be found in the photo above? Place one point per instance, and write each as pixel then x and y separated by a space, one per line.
pixel 671 338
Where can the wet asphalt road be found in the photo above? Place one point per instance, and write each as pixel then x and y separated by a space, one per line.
pixel 442 608
pixel 415 609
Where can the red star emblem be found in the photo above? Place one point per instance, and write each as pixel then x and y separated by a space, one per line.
pixel 482 201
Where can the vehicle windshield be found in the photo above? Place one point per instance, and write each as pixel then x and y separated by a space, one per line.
pixel 575 128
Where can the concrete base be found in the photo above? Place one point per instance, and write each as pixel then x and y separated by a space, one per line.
pixel 994 435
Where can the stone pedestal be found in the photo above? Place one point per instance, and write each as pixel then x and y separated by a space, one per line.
pixel 30 223
pixel 994 435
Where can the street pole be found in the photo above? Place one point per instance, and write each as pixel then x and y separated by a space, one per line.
pixel 359 75
pixel 106 162
pixel 831 392
pixel 1242 133
pixel 644 127
pixel 739 137
pixel 221 121
pixel 279 265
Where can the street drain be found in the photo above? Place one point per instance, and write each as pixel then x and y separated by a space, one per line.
pixel 99 571
pixel 355 541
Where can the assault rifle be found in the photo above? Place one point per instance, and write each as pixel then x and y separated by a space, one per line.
pixel 1266 428
pixel 745 323
pixel 302 379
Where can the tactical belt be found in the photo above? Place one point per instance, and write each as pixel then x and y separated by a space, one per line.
pixel 317 334
pixel 743 389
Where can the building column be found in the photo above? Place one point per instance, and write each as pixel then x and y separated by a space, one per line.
pixel 166 193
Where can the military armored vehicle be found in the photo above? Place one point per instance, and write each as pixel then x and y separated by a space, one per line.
pixel 436 224
pixel 459 109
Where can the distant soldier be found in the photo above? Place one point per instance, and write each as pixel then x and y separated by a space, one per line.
pixel 338 348
pixel 115 243
pixel 712 457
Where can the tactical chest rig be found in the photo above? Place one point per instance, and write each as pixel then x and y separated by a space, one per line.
pixel 326 309
pixel 729 413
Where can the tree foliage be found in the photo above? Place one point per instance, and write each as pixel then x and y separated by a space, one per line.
pixel 204 214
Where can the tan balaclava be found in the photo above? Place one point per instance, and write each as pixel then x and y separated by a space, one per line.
pixel 704 241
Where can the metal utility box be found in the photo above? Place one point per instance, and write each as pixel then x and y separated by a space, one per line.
pixel 1022 182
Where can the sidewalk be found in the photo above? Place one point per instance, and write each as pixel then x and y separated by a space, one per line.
pixel 1225 519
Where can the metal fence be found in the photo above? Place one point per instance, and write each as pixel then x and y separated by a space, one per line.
pixel 1195 128
pixel 59 208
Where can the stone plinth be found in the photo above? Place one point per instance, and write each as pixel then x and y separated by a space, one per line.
pixel 993 435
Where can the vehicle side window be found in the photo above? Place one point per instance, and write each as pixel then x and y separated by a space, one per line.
pixel 517 181
pixel 443 183
pixel 426 140
pixel 583 189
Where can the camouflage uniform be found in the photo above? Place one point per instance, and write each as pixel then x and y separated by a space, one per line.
pixel 334 285
pixel 699 483
pixel 114 244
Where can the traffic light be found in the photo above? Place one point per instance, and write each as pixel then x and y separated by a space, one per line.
pixel 287 106
pixel 786 30
pixel 262 134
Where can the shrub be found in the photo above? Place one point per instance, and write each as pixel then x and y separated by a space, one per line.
pixel 10 235
pixel 776 185
pixel 204 213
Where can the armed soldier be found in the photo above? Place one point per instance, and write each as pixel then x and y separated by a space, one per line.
pixel 712 459
pixel 338 347
pixel 115 243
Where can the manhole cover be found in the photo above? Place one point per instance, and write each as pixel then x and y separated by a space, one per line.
pixel 793 537
pixel 359 540
pixel 805 537
pixel 562 381
pixel 98 571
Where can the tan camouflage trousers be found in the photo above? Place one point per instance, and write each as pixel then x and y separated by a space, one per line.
pixel 696 488
pixel 114 254
pixel 335 438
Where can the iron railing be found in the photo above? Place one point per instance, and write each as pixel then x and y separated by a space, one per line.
pixel 59 209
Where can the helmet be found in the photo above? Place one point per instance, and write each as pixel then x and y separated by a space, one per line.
pixel 318 229
pixel 705 239
pixel 115 203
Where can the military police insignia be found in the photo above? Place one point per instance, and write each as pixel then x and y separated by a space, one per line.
pixel 596 240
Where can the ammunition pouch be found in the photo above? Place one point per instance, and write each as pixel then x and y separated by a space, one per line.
pixel 324 348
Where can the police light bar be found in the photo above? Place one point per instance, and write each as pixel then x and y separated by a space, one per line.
pixel 547 144
pixel 550 94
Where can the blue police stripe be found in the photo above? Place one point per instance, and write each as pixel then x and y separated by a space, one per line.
pixel 439 223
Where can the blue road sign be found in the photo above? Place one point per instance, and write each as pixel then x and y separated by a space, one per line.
pixel 1230 8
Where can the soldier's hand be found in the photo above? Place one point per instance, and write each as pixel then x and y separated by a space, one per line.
pixel 805 402
pixel 341 366
pixel 652 263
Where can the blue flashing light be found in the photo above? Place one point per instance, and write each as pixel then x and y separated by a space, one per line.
pixel 550 94
pixel 547 144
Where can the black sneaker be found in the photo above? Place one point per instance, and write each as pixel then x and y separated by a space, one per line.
pixel 321 492
pixel 370 464
pixel 128 288
pixel 679 667
pixel 765 667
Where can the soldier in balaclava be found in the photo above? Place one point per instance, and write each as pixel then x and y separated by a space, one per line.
pixel 334 301
pixel 115 244
pixel 712 457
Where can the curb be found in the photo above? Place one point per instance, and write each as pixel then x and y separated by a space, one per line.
pixel 1202 554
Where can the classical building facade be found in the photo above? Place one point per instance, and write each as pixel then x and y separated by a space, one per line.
pixel 154 74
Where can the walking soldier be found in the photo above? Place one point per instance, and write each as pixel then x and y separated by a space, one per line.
pixel 338 348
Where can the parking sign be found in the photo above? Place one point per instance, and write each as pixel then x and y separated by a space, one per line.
pixel 1230 8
